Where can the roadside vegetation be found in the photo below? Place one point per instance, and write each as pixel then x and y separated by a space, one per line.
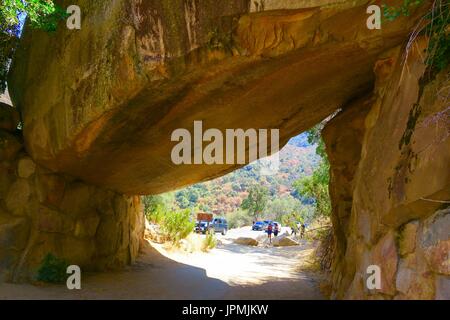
pixel 52 270
pixel 174 225
pixel 210 241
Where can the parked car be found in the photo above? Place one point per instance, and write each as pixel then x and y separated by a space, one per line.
pixel 201 227
pixel 260 225
pixel 219 225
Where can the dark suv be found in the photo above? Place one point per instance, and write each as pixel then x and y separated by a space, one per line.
pixel 219 225
pixel 201 227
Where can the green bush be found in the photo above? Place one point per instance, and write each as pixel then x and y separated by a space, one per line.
pixel 156 215
pixel 436 29
pixel 210 241
pixel 52 270
pixel 176 225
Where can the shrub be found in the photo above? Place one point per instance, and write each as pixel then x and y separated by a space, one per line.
pixel 176 225
pixel 52 270
pixel 210 241
pixel 436 22
pixel 156 215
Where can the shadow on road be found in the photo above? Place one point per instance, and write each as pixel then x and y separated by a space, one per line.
pixel 155 276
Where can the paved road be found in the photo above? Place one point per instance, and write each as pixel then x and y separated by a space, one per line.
pixel 228 272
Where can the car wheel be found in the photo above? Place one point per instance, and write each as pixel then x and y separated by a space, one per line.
pixel 224 232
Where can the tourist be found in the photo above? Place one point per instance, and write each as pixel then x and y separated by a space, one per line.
pixel 269 232
pixel 294 230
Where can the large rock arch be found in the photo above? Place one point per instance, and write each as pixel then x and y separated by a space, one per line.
pixel 99 105
pixel 104 106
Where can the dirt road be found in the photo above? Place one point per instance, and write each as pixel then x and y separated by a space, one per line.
pixel 230 271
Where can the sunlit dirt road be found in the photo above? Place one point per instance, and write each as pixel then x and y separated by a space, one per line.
pixel 229 271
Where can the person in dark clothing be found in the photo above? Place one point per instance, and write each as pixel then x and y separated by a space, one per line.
pixel 269 232
pixel 302 231
pixel 294 230
pixel 276 230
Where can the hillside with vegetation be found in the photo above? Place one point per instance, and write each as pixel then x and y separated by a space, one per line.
pixel 246 195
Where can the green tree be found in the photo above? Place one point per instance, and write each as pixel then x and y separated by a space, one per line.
pixel 256 200
pixel 304 214
pixel 239 218
pixel 279 207
pixel 41 14
pixel 187 198
pixel 316 185
pixel 152 202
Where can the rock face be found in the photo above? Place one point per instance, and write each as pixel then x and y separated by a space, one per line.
pixel 9 117
pixel 390 182
pixel 107 101
pixel 42 212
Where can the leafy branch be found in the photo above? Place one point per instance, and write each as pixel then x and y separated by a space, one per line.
pixel 41 14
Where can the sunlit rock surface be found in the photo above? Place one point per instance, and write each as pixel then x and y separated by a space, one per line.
pixel 45 213
pixel 390 182
pixel 101 103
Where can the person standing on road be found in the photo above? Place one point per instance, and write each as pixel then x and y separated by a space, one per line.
pixel 269 232
pixel 302 232
pixel 276 230
pixel 294 230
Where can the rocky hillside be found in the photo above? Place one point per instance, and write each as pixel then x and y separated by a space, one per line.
pixel 225 194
